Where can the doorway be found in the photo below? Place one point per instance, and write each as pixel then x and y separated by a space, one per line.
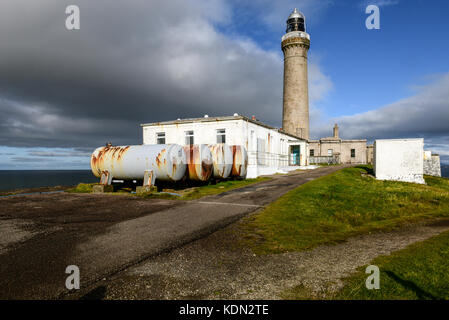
pixel 295 155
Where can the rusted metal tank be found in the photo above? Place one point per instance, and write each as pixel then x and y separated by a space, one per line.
pixel 240 161
pixel 222 160
pixel 199 162
pixel 168 162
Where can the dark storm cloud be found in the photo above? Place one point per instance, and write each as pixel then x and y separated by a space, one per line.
pixel 59 153
pixel 28 159
pixel 131 62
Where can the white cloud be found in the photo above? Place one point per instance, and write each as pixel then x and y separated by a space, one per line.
pixel 320 84
pixel 379 3
pixel 425 114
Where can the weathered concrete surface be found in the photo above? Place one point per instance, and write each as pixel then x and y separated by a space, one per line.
pixel 103 234
pixel 370 154
pixel 432 166
pixel 101 188
pixel 399 160
pixel 41 233
pixel 13 231
pixel 216 268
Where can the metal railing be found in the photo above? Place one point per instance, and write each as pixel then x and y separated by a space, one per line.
pixel 324 159
pixel 272 159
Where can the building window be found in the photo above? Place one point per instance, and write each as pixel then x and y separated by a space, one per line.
pixel 221 136
pixel 160 138
pixel 352 153
pixel 312 152
pixel 189 138
pixel 330 152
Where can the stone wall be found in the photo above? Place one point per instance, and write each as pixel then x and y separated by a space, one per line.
pixel 370 154
pixel 340 147
pixel 360 151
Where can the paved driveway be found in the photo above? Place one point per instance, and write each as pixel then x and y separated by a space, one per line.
pixel 40 235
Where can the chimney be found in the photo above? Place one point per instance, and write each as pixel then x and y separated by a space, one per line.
pixel 336 131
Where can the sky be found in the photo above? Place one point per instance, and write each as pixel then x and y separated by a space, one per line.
pixel 65 92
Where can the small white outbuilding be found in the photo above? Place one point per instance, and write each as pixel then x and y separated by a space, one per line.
pixel 269 149
pixel 399 160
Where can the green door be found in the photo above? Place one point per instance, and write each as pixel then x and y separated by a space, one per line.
pixel 295 153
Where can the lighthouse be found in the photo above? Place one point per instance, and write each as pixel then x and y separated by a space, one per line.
pixel 295 45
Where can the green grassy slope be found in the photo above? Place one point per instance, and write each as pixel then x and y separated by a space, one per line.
pixel 345 203
pixel 419 271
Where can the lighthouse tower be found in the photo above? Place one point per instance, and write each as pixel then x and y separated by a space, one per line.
pixel 295 44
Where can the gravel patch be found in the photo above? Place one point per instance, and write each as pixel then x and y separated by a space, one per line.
pixel 215 268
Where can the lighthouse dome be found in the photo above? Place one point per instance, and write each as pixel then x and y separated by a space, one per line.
pixel 296 21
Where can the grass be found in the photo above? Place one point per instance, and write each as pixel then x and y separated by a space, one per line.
pixel 419 271
pixel 299 292
pixel 186 193
pixel 82 188
pixel 206 190
pixel 32 190
pixel 221 187
pixel 334 207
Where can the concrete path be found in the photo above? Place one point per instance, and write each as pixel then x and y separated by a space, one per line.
pixel 214 268
pixel 105 234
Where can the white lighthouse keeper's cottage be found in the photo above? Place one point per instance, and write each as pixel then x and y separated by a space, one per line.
pixel 269 149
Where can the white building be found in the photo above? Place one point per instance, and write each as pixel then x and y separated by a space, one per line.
pixel 399 159
pixel 269 149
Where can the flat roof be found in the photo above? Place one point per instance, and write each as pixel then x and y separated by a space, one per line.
pixel 215 119
pixel 331 138
pixel 401 139
pixel 336 140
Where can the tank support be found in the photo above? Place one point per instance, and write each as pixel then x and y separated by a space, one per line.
pixel 106 178
pixel 149 178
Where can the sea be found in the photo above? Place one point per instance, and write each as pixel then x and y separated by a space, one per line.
pixel 445 171
pixel 18 179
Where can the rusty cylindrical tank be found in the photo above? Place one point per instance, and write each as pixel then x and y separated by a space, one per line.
pixel 168 162
pixel 199 162
pixel 222 160
pixel 240 161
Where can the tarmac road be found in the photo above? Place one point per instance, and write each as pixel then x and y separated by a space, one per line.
pixel 40 235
